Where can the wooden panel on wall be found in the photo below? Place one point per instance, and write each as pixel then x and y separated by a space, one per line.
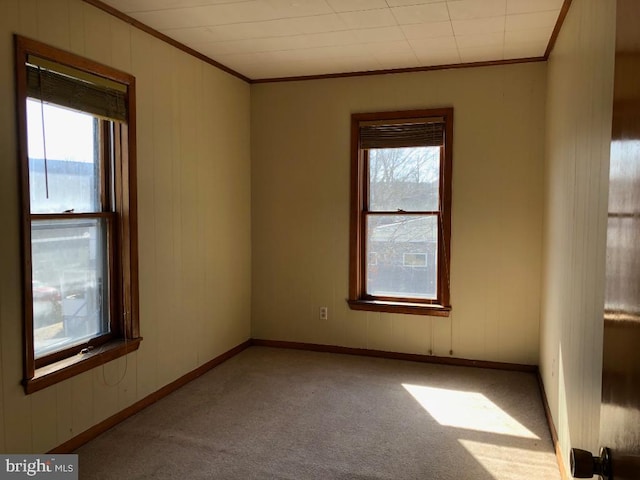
pixel 579 102
pixel 105 381
pixel 441 338
pixel 185 159
pixel 120 45
pixel 18 422
pixel 64 415
pixel 142 46
pixel 82 402
pixel 207 228
pixel 163 198
pixel 97 40
pixel 379 331
pixel 44 410
pixel 28 19
pixel 77 27
pixel 53 22
pixel 352 326
pixel 127 383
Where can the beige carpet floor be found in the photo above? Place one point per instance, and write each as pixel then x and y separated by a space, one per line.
pixel 284 414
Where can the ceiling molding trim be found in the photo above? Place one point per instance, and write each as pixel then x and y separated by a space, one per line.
pixel 180 46
pixel 161 36
pixel 556 30
pixel 401 70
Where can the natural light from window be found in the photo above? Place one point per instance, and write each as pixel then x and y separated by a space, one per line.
pixel 467 410
pixel 509 460
pixel 68 256
pixel 60 124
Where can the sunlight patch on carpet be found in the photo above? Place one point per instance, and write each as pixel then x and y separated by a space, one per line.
pixel 511 462
pixel 468 410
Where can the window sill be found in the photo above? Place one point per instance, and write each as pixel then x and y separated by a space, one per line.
pixel 410 308
pixel 69 367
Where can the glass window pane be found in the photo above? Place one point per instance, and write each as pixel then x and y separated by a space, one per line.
pixel 71 179
pixel 70 281
pixel 404 179
pixel 406 256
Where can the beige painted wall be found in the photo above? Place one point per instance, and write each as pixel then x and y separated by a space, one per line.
pixel 300 208
pixel 579 105
pixel 194 221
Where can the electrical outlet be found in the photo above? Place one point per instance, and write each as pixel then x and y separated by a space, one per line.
pixel 324 313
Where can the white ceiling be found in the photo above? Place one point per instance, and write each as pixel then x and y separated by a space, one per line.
pixel 283 38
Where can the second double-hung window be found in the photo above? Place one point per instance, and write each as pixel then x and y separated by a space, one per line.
pixel 77 158
pixel 401 211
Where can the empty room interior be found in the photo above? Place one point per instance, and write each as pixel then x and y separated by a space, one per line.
pixel 273 308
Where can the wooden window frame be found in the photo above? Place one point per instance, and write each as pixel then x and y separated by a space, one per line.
pixel 358 298
pixel 118 199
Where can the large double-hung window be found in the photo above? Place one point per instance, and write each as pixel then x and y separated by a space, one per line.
pixel 401 211
pixel 77 163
